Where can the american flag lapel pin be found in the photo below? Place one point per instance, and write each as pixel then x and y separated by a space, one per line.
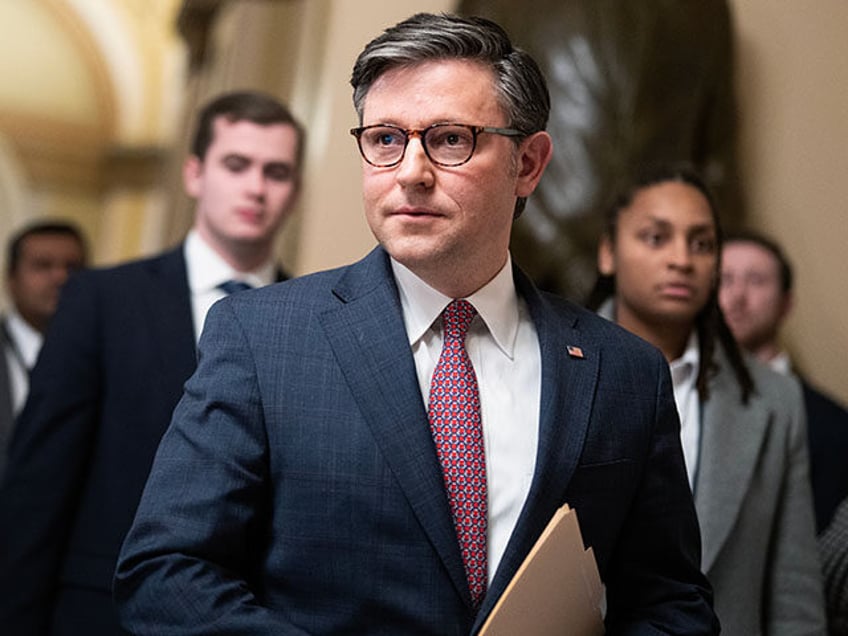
pixel 575 352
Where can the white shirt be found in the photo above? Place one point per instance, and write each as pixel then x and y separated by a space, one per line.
pixel 21 354
pixel 781 363
pixel 207 270
pixel 504 348
pixel 684 375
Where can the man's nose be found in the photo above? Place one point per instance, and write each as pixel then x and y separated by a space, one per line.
pixel 731 291
pixel 415 168
pixel 59 273
pixel 256 181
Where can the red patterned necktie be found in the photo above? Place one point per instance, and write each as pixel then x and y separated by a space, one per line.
pixel 454 413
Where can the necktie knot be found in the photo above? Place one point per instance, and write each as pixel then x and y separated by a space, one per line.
pixel 456 319
pixel 233 286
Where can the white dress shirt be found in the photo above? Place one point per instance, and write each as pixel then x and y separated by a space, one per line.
pixel 21 354
pixel 781 363
pixel 207 270
pixel 684 375
pixel 504 348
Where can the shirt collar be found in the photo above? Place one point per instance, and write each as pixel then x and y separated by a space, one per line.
pixel 496 303
pixel 207 270
pixel 691 355
pixel 688 362
pixel 781 363
pixel 27 340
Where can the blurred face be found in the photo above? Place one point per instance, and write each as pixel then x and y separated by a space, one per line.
pixel 750 293
pixel 663 257
pixel 244 187
pixel 45 263
pixel 450 226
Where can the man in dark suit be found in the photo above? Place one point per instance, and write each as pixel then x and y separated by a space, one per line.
pixel 315 480
pixel 756 298
pixel 833 547
pixel 39 260
pixel 113 365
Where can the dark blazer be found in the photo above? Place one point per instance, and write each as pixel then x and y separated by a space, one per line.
pixel 6 412
pixel 833 545
pixel 298 491
pixel 113 364
pixel 827 432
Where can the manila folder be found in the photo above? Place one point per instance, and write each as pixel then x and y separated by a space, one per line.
pixel 557 590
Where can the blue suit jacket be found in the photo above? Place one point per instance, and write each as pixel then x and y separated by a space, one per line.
pixel 112 368
pixel 6 411
pixel 827 432
pixel 298 490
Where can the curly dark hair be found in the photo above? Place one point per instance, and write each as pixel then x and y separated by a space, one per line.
pixel 709 322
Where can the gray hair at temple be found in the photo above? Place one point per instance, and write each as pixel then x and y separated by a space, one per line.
pixel 520 85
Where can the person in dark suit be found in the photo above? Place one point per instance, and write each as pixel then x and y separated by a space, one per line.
pixel 39 260
pixel 742 425
pixel 756 295
pixel 118 351
pixel 833 547
pixel 315 480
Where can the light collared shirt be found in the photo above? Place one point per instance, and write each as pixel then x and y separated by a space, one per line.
pixel 21 354
pixel 504 348
pixel 781 363
pixel 207 270
pixel 684 375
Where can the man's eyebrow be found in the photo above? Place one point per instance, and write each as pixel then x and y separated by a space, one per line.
pixel 704 228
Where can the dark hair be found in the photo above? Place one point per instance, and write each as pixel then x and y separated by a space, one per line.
pixel 41 228
pixel 253 106
pixel 709 322
pixel 520 85
pixel 771 246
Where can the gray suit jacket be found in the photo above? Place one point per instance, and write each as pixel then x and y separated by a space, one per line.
pixel 754 505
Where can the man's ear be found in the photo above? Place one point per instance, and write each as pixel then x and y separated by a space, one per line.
pixel 534 155
pixel 192 172
pixel 606 256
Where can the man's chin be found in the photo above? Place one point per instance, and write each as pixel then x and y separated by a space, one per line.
pixel 411 251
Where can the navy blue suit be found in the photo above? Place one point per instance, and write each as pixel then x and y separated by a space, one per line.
pixel 6 411
pixel 112 368
pixel 298 491
pixel 827 434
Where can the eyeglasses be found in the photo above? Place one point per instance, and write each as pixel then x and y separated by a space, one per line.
pixel 447 145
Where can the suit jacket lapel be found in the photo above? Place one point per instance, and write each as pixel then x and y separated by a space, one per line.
pixel 568 387
pixel 731 438
pixel 6 415
pixel 367 334
pixel 170 315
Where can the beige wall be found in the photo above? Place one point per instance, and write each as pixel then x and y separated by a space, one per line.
pixel 333 229
pixel 793 89
pixel 87 106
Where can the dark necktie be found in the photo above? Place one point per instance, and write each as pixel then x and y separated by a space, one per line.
pixel 457 429
pixel 233 286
